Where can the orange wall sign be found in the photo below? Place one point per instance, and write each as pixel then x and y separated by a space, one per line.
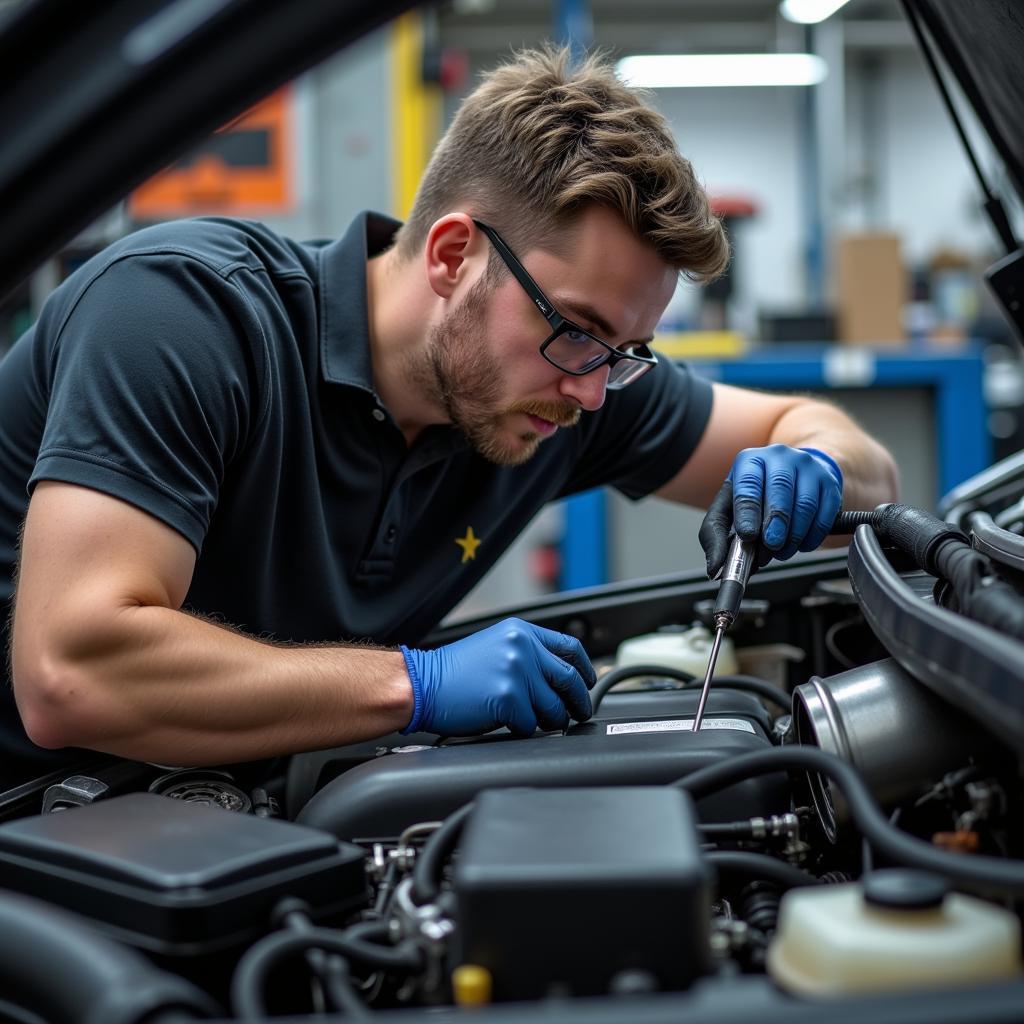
pixel 244 168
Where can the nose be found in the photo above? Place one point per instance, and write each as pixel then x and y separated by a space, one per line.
pixel 588 391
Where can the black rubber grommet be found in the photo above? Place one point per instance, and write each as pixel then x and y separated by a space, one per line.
pixel 904 889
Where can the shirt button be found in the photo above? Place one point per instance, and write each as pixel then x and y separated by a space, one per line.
pixel 379 415
pixel 391 533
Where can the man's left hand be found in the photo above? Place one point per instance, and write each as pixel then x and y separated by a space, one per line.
pixel 786 499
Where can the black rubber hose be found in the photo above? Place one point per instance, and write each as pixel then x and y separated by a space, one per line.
pixel 619 675
pixel 980 593
pixel 987 875
pixel 847 522
pixel 727 830
pixel 945 551
pixel 250 977
pixel 748 684
pixel 64 971
pixel 426 873
pixel 914 531
pixel 761 687
pixel 759 865
pixel 338 982
pixel 369 931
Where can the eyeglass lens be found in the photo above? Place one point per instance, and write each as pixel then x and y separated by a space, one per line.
pixel 579 353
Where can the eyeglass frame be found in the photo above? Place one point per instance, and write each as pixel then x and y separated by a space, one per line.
pixel 561 325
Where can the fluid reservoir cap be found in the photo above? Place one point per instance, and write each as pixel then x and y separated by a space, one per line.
pixel 904 889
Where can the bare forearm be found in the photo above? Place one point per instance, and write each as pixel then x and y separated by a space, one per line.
pixel 156 684
pixel 870 476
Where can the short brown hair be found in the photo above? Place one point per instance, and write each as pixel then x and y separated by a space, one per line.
pixel 540 139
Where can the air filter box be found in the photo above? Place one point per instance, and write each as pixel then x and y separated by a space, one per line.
pixel 560 890
pixel 177 878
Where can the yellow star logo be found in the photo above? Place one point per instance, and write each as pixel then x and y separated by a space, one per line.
pixel 469 544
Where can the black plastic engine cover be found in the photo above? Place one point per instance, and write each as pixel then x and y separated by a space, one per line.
pixel 414 783
pixel 174 877
pixel 560 890
pixel 311 771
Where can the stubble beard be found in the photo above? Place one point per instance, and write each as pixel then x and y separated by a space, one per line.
pixel 461 375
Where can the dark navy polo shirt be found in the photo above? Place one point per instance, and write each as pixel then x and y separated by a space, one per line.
pixel 218 376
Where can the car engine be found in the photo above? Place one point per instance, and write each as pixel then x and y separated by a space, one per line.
pixel 845 826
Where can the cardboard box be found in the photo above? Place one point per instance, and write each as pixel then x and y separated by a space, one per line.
pixel 871 289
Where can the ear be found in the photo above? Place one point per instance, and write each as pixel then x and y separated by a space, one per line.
pixel 453 251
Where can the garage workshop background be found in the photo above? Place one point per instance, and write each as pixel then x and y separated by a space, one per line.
pixel 856 223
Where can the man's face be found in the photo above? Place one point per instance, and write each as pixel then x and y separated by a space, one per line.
pixel 485 366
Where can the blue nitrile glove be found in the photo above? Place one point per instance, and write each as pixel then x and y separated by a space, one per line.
pixel 512 673
pixel 785 498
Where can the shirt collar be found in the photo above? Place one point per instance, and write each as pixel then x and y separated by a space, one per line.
pixel 344 315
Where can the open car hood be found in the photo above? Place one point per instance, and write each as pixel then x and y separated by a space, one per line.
pixel 95 98
pixel 981 44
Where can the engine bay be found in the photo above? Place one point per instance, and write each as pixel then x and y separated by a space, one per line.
pixel 844 826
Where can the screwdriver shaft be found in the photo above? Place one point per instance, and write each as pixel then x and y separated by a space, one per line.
pixel 719 633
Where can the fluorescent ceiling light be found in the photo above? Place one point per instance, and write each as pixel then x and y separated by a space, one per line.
pixel 700 70
pixel 807 12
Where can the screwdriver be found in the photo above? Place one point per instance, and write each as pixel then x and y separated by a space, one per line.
pixel 735 573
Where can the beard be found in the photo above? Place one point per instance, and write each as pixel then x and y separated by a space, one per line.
pixel 461 375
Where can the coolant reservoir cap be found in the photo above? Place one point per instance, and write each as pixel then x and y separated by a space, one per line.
pixel 904 889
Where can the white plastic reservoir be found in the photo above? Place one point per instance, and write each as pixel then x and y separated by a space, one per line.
pixel 685 649
pixel 896 930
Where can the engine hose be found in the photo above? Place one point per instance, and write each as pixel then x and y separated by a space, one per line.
pixel 759 905
pixel 945 551
pixel 250 977
pixel 759 865
pixel 369 931
pixel 426 873
pixel 727 830
pixel 980 593
pixel 847 522
pixel 748 684
pixel 912 530
pixel 338 982
pixel 982 874
pixel 61 970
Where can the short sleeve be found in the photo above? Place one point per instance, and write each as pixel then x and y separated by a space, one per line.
pixel 153 386
pixel 644 434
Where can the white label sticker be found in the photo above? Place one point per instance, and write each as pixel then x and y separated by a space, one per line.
pixel 678 725
pixel 848 367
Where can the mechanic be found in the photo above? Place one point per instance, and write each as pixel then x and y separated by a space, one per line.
pixel 248 469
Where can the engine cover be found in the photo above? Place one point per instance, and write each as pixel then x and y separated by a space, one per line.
pixel 175 877
pixel 414 783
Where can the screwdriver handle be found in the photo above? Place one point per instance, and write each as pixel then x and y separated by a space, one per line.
pixel 739 563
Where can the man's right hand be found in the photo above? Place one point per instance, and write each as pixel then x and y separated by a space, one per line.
pixel 513 674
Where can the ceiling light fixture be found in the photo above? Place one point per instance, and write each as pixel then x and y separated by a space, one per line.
pixel 700 70
pixel 809 12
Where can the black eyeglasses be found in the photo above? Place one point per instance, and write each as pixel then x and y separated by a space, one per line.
pixel 569 347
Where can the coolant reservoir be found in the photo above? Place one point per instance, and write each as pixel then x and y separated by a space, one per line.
pixel 684 649
pixel 896 930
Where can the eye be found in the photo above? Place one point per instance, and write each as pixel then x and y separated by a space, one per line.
pixel 577 338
